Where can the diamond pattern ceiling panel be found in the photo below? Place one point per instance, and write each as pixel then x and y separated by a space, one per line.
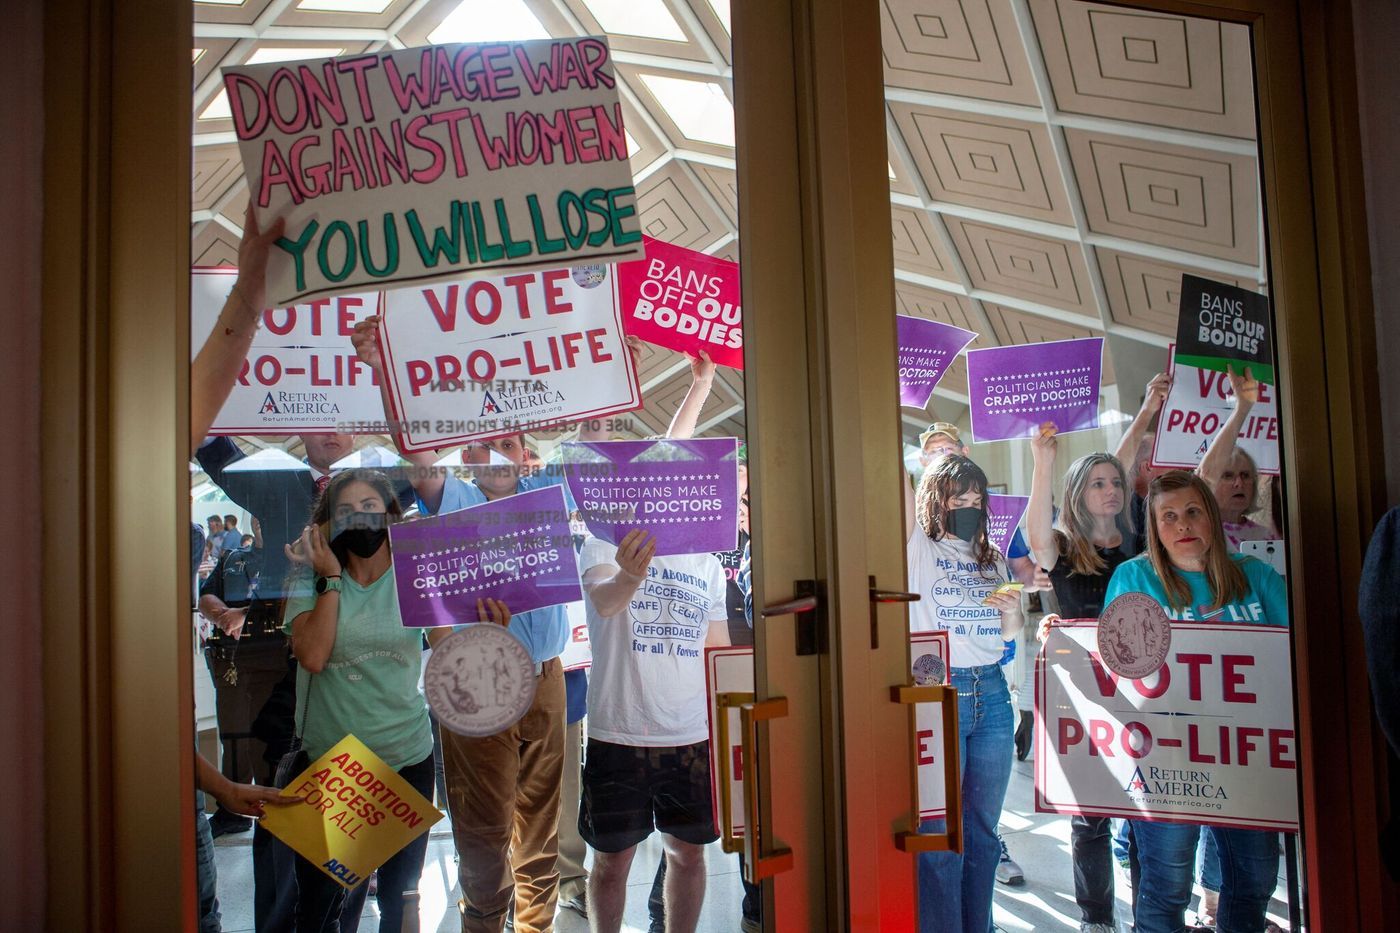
pixel 1178 71
pixel 1024 265
pixel 1018 327
pixel 214 246
pixel 970 48
pixel 983 161
pixel 1144 293
pixel 674 210
pixel 917 301
pixel 917 246
pixel 626 37
pixel 723 183
pixel 216 170
pixel 1175 196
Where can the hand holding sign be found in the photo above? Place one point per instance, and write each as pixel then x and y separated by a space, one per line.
pixel 493 611
pixel 365 340
pixel 1246 387
pixel 635 552
pixel 1044 447
pixel 251 286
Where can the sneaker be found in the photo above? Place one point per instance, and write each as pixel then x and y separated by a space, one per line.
pixel 1008 872
pixel 224 823
pixel 1096 928
pixel 578 905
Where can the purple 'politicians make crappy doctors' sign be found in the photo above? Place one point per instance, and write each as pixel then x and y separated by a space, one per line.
pixel 517 549
pixel 686 493
pixel 1013 390
pixel 925 350
pixel 1004 514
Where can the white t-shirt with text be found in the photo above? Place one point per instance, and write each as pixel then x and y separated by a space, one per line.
pixel 953 587
pixel 647 686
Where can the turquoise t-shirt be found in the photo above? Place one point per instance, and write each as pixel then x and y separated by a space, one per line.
pixel 1265 604
pixel 369 687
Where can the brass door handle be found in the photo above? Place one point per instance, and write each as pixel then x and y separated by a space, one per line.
pixel 759 862
pixel 950 840
pixel 724 702
pixel 806 606
pixel 878 596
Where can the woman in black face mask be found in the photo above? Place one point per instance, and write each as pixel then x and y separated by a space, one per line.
pixel 959 574
pixel 359 669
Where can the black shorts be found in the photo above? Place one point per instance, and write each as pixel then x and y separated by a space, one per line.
pixel 627 789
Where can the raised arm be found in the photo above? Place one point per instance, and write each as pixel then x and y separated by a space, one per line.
pixel 427 480
pixel 313 632
pixel 1040 532
pixel 216 366
pixel 1222 446
pixel 611 586
pixel 702 379
pixel 1132 438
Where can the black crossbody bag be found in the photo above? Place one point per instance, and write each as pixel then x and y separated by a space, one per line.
pixel 296 760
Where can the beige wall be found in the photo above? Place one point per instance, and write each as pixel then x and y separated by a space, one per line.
pixel 1377 37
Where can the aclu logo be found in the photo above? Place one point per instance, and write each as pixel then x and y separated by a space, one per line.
pixel 343 872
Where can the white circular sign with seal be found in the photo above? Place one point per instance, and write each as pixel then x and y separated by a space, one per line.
pixel 1134 636
pixel 480 680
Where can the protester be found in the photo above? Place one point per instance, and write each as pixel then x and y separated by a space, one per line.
pixel 1230 471
pixel 1092 538
pixel 214 540
pixel 1190 570
pixel 949 554
pixel 1134 452
pixel 359 670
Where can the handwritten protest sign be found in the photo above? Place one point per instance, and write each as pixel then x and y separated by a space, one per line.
pixel 301 375
pixel 356 815
pixel 517 549
pixel 1004 514
pixel 926 348
pixel 686 493
pixel 1013 390
pixel 730 670
pixel 684 300
pixel 502 354
pixel 414 165
pixel 1221 325
pixel 1198 405
pixel 1208 739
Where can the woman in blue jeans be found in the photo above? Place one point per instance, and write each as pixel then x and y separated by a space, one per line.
pixel 954 566
pixel 1189 570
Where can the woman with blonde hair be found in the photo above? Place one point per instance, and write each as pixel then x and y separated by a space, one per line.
pixel 1092 537
pixel 960 575
pixel 1190 570
pixel 1231 472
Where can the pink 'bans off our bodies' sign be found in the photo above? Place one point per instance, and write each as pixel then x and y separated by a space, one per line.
pixel 414 165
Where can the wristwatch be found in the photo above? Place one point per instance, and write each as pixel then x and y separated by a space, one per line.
pixel 324 584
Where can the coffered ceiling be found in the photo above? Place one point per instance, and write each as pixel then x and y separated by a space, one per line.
pixel 1055 165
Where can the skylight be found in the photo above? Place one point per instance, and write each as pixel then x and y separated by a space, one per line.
pixel 647 18
pixel 218 108
pixel 721 8
pixel 488 20
pixel 345 6
pixel 699 109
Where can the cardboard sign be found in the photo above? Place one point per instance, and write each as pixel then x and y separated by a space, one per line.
pixel 1198 405
pixel 1013 390
pixel 414 165
pixel 498 355
pixel 357 813
pixel 684 300
pixel 517 549
pixel 730 670
pixel 578 653
pixel 1004 514
pixel 1221 325
pixel 926 348
pixel 1208 739
pixel 686 493
pixel 301 375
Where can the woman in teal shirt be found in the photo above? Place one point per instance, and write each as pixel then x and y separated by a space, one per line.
pixel 359 669
pixel 1189 569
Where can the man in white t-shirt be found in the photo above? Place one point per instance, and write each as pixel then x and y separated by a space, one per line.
pixel 648 759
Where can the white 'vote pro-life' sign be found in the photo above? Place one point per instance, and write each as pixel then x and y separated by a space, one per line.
pixel 301 375
pixel 496 355
pixel 730 670
pixel 1208 739
pixel 1198 405
pixel 407 166
pixel 578 652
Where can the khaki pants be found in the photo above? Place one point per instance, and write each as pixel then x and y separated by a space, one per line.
pixel 573 877
pixel 503 795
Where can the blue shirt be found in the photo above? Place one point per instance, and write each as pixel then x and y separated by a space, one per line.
pixel 1017 547
pixel 1266 603
pixel 544 632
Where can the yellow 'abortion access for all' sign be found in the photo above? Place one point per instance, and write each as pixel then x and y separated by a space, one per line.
pixel 356 815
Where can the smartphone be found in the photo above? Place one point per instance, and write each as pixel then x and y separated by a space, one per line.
pixel 1006 588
